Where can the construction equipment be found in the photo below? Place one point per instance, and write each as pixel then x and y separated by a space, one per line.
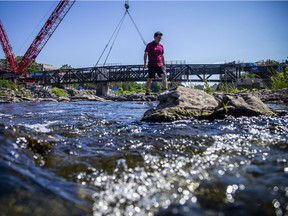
pixel 39 42
pixel 7 48
pixel 116 32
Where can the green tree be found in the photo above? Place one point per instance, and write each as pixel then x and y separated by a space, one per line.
pixel 271 62
pixel 66 66
pixel 34 67
pixel 129 88
pixel 4 63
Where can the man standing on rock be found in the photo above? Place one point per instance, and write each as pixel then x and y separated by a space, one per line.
pixel 156 61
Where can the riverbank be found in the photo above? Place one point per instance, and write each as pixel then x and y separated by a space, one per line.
pixel 26 95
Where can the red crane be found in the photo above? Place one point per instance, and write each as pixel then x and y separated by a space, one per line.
pixel 7 48
pixel 39 42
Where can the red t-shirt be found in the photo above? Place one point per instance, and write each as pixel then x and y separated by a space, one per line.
pixel 155 52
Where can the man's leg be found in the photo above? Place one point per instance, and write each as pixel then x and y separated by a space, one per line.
pixel 151 76
pixel 164 81
pixel 148 84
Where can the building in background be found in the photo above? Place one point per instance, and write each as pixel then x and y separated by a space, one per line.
pixel 48 67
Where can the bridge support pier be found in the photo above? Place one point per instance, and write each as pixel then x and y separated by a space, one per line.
pixel 102 89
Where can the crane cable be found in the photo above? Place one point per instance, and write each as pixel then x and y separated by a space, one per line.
pixel 143 40
pixel 117 30
pixel 41 21
pixel 115 38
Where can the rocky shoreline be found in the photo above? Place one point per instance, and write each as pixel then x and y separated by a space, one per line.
pixel 272 96
pixel 177 104
pixel 26 95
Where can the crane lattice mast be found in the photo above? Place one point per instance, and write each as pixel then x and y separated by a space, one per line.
pixel 7 48
pixel 41 39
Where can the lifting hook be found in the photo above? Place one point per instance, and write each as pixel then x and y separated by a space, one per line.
pixel 126 5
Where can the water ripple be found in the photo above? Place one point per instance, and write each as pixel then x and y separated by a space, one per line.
pixel 100 159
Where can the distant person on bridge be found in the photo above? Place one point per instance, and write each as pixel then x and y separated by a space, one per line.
pixel 156 62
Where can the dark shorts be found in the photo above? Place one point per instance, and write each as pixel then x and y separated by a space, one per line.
pixel 155 69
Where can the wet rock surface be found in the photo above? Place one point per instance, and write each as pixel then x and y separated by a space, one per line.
pixel 86 97
pixel 185 103
pixel 133 97
pixel 280 95
pixel 243 104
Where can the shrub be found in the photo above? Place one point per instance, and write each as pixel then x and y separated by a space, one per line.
pixel 234 89
pixel 9 85
pixel 280 80
pixel 28 95
pixel 226 88
pixel 208 88
pixel 244 90
pixel 60 92
pixel 126 92
pixel 4 94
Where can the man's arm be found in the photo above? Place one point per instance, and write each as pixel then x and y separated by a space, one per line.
pixel 163 60
pixel 145 59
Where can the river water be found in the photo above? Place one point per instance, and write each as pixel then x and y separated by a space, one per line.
pixel 98 158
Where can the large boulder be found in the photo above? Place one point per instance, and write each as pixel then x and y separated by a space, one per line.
pixel 243 104
pixel 186 103
pixel 182 103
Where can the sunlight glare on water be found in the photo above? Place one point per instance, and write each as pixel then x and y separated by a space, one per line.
pixel 100 159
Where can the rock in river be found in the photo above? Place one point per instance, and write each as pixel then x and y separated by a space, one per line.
pixel 186 103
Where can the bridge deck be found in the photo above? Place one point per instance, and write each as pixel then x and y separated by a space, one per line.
pixel 125 73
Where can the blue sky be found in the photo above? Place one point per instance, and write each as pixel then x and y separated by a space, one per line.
pixel 198 32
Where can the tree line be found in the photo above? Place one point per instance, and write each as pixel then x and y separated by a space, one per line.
pixel 33 68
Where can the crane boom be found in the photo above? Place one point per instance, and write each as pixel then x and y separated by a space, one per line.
pixel 45 33
pixel 7 48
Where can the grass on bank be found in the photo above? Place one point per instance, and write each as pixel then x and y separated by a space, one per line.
pixel 60 92
pixel 126 92
pixel 9 85
pixel 225 88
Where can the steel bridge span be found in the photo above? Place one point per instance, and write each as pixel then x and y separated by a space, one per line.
pixel 127 73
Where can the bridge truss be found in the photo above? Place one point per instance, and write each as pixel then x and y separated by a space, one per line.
pixel 132 73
